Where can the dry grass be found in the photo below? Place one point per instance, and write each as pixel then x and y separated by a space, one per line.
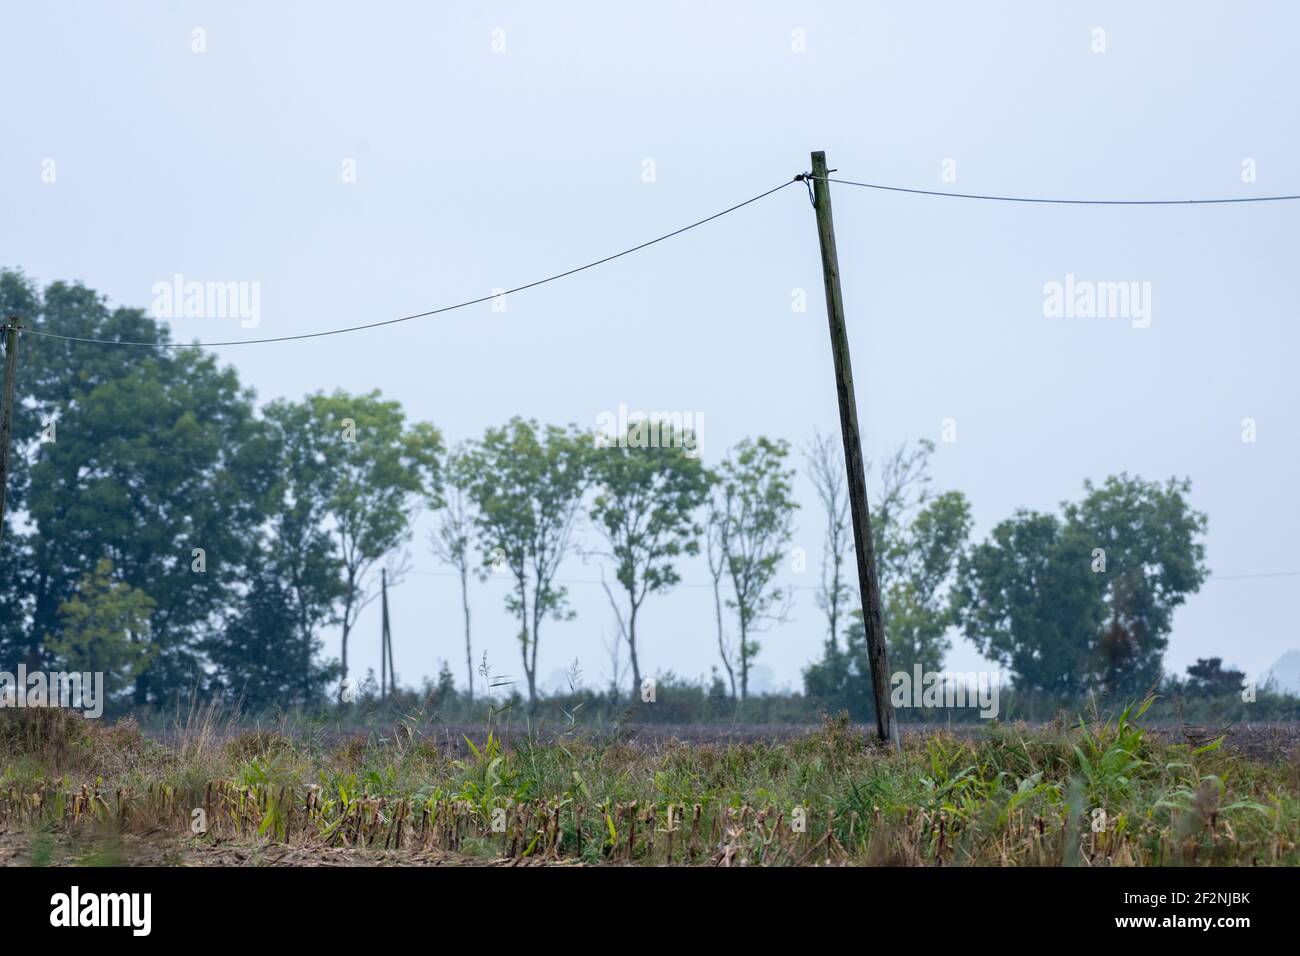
pixel 1100 794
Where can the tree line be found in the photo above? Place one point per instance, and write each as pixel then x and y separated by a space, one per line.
pixel 167 531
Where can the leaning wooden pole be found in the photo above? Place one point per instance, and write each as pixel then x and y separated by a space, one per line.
pixel 864 543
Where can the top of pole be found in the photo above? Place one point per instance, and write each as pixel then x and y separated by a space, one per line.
pixel 819 163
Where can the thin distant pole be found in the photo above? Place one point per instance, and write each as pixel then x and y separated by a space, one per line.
pixel 383 635
pixel 388 643
pixel 388 680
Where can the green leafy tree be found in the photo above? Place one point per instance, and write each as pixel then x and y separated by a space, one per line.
pixel 528 486
pixel 444 693
pixel 21 298
pixel 53 375
pixel 156 460
pixel 841 678
pixel 1029 601
pixel 298 551
pixel 15 547
pixel 267 649
pixel 919 539
pixel 104 628
pixel 259 655
pixel 754 521
pixel 372 471
pixel 1208 677
pixel 159 471
pixel 644 509
pixel 919 605
pixel 1086 602
pixel 1151 539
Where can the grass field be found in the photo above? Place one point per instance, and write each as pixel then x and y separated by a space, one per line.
pixel 1099 792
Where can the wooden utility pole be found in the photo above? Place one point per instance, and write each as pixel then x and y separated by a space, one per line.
pixel 10 330
pixel 388 678
pixel 392 671
pixel 383 639
pixel 864 544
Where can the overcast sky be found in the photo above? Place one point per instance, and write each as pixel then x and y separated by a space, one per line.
pixel 478 168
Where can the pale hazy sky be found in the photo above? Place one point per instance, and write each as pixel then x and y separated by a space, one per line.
pixel 478 169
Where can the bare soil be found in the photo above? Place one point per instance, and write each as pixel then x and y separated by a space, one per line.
pixel 163 849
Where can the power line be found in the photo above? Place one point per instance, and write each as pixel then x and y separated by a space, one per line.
pixel 803 177
pixel 417 315
pixel 1064 202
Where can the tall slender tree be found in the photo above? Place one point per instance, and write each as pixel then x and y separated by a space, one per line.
pixel 645 510
pixel 826 470
pixel 717 530
pixel 528 487
pixel 450 540
pixel 299 552
pixel 759 506
pixel 373 471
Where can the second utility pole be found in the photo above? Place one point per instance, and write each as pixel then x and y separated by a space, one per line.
pixel 388 685
pixel 864 544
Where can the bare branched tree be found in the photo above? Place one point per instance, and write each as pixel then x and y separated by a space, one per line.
pixel 528 486
pixel 450 539
pixel 755 525
pixel 904 490
pixel 826 469
pixel 715 537
pixel 617 669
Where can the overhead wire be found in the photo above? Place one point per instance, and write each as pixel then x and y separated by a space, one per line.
pixel 417 315
pixel 803 177
pixel 1064 202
